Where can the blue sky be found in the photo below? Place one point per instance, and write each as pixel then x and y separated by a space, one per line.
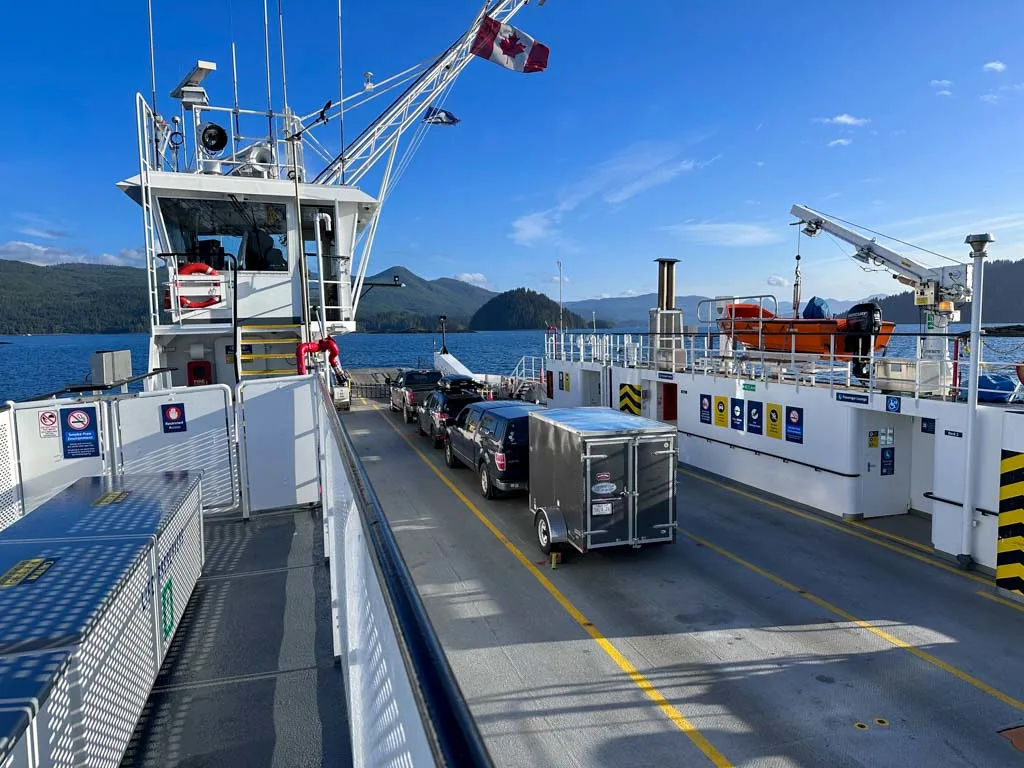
pixel 685 129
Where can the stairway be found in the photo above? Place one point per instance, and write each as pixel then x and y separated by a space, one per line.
pixel 266 350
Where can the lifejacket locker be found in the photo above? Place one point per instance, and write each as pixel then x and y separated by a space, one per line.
pixel 199 372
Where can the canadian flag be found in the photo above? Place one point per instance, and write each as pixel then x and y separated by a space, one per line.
pixel 509 47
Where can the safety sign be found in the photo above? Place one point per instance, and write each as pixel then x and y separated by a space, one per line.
pixel 173 417
pixel 80 437
pixel 48 426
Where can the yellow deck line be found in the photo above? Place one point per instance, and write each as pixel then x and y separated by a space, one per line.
pixel 881 633
pixel 641 682
pixel 847 528
pixel 1002 600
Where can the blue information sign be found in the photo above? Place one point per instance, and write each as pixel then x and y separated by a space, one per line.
pixel 889 461
pixel 172 415
pixel 705 409
pixel 79 432
pixel 755 417
pixel 736 413
pixel 794 424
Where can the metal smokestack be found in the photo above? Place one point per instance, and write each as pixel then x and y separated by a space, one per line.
pixel 667 283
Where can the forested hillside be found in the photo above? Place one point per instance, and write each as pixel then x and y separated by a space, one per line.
pixel 523 309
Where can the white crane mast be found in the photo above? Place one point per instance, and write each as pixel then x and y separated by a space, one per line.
pixel 387 129
pixel 935 288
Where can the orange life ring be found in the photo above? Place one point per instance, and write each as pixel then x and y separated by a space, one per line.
pixel 199 269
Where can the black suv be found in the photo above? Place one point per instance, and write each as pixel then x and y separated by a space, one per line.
pixel 492 437
pixel 440 408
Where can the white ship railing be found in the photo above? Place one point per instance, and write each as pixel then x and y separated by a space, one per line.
pixel 914 375
pixel 404 705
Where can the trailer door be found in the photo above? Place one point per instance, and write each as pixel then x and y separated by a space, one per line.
pixel 609 492
pixel 655 482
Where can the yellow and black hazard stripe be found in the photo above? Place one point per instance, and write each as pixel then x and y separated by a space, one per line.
pixel 1010 547
pixel 629 398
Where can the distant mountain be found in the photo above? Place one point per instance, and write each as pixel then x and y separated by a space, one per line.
pixel 1001 303
pixel 419 304
pixel 523 309
pixel 635 310
pixel 72 298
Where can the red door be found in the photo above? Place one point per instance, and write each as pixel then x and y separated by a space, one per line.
pixel 669 402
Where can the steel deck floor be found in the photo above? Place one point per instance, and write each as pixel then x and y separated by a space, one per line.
pixel 250 678
pixel 777 637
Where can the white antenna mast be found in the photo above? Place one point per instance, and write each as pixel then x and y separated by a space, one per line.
pixel 284 76
pixel 270 98
pixel 341 95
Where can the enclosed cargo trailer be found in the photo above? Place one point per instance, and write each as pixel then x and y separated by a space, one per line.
pixel 601 478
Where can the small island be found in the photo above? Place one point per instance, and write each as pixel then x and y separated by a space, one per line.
pixel 522 309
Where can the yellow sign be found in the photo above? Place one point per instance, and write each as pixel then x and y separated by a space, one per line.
pixel 26 570
pixel 721 411
pixel 566 381
pixel 110 497
pixel 873 438
pixel 773 422
pixel 629 398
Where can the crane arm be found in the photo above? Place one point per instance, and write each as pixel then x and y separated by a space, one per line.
pixel 378 137
pixel 936 283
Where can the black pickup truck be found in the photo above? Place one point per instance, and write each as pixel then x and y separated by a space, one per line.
pixel 409 387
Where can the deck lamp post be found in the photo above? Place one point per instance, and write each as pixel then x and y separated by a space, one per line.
pixel 444 346
pixel 978 245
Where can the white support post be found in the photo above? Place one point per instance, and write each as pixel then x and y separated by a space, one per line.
pixel 977 243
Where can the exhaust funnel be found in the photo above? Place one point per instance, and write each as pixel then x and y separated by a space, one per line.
pixel 667 283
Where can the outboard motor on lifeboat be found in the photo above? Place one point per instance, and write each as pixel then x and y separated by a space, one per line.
pixel 862 322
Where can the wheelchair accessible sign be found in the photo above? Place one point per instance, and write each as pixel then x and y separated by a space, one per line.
pixel 79 432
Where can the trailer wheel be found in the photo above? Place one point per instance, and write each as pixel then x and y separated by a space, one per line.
pixel 540 527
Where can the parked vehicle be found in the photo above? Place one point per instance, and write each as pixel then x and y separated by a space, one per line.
pixel 442 406
pixel 601 478
pixel 492 437
pixel 409 387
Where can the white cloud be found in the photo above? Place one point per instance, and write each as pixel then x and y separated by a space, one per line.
pixel 629 292
pixel 994 66
pixel 778 281
pixel 45 255
pixel 760 163
pixel 733 234
pixel 636 169
pixel 39 227
pixel 475 278
pixel 564 278
pixel 840 142
pixel 989 98
pixel 943 93
pixel 941 83
pixel 844 119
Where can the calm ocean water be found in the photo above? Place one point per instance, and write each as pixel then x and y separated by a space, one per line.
pixel 33 365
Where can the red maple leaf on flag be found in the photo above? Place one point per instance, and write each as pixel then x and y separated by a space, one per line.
pixel 511 46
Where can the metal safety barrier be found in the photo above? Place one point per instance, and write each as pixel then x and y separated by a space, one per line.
pixel 404 704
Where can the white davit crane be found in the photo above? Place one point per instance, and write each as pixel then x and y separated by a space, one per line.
pixel 936 289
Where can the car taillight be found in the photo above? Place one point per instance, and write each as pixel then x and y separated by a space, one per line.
pixel 499 461
pixel 412 398
pixel 442 416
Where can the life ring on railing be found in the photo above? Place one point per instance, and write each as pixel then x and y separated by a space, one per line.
pixel 197 268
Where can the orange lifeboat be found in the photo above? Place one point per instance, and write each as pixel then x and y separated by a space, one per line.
pixel 760 328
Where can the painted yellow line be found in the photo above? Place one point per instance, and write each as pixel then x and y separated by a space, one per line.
pixel 1013 517
pixel 1002 601
pixel 881 633
pixel 848 528
pixel 673 714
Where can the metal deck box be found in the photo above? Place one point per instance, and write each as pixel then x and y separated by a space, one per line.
pixel 103 570
pixel 36 711
pixel 601 478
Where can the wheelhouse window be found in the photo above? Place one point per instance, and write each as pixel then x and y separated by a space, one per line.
pixel 212 231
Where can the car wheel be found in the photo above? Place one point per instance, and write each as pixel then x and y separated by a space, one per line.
pixel 405 414
pixel 449 455
pixel 486 487
pixel 436 440
pixel 419 426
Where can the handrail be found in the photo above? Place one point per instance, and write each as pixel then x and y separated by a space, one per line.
pixel 76 389
pixel 933 497
pixel 455 739
pixel 772 455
